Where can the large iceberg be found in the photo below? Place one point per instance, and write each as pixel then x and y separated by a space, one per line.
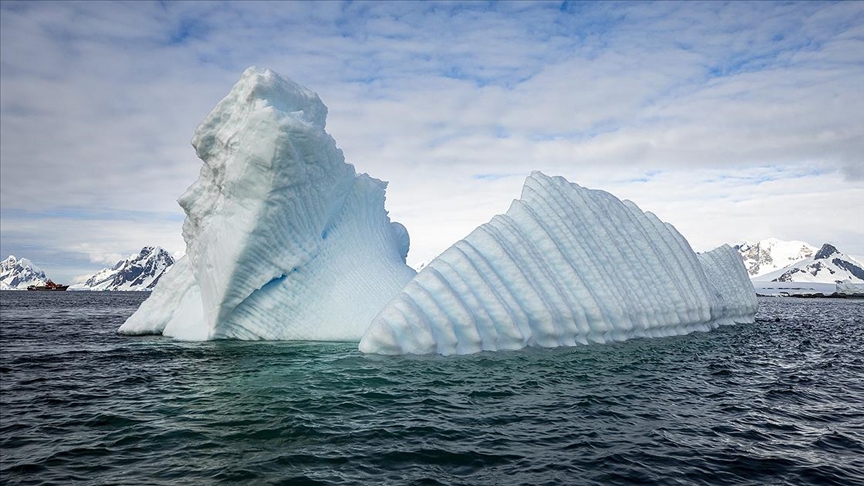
pixel 283 239
pixel 564 266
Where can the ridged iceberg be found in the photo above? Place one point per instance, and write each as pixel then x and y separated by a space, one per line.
pixel 283 239
pixel 564 266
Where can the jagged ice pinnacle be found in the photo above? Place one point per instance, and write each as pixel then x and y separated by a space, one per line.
pixel 283 239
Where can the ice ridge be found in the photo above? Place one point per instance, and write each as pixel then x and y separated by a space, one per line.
pixel 564 266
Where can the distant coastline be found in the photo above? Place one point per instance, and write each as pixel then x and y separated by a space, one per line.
pixel 809 290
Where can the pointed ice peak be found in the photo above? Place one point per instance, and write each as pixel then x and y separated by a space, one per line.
pixel 257 90
pixel 151 252
pixel 268 88
pixel 147 251
pixel 276 224
pixel 770 254
pixel 11 261
pixel 140 271
pixel 826 251
pixel 827 265
pixel 18 274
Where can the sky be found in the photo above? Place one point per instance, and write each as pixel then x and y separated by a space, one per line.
pixel 732 121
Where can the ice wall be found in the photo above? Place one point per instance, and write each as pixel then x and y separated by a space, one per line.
pixel 850 289
pixel 283 239
pixel 734 296
pixel 564 266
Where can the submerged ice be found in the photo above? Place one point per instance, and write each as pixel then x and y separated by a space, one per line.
pixel 564 266
pixel 285 241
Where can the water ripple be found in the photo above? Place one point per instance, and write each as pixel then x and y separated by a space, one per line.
pixel 776 402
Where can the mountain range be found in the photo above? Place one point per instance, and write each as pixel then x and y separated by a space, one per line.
pixel 140 271
pixel 769 260
pixel 774 260
pixel 771 254
pixel 18 274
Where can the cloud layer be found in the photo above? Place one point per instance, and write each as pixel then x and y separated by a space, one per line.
pixel 732 121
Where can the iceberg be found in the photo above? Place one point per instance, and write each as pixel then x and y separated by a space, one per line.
pixel 564 266
pixel 284 240
pixel 847 288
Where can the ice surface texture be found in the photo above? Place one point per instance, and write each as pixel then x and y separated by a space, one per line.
pixel 283 239
pixel 564 266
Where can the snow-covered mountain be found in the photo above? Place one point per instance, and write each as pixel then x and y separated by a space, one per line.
pixel 140 271
pixel 771 254
pixel 18 274
pixel 828 265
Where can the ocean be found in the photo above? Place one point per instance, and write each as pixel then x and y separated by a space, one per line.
pixel 780 401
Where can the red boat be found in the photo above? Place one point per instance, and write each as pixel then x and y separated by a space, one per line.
pixel 49 285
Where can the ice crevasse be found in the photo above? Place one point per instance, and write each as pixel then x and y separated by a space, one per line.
pixel 285 241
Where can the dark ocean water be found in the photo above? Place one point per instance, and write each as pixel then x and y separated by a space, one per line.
pixel 777 402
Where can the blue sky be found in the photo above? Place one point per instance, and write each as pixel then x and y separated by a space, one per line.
pixel 732 121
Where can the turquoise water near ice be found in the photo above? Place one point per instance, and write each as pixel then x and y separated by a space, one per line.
pixel 780 401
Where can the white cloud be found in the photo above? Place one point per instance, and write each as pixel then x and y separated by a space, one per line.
pixel 732 121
